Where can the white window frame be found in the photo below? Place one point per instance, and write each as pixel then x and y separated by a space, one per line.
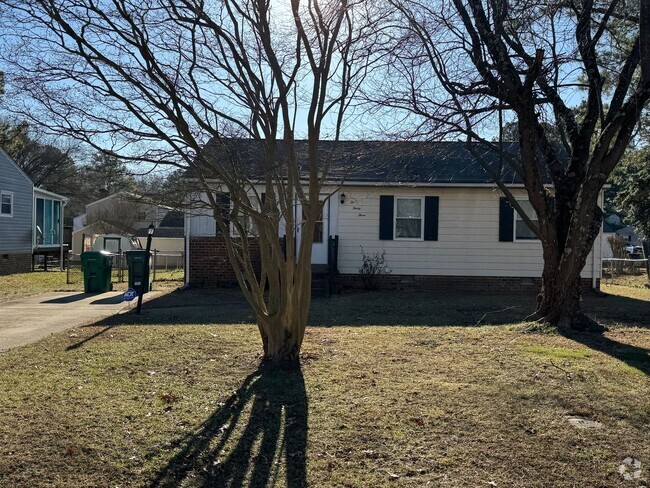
pixel 518 217
pixel 421 238
pixel 11 195
pixel 249 227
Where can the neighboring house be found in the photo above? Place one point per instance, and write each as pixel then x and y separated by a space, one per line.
pixel 629 234
pixel 31 220
pixel 609 231
pixel 614 225
pixel 122 215
pixel 16 211
pixel 431 208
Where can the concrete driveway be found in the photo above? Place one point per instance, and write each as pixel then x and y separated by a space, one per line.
pixel 30 319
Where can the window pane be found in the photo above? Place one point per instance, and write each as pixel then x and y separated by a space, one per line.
pixel 409 207
pixel 40 220
pixel 527 208
pixel 318 232
pixel 318 228
pixel 523 232
pixel 112 244
pixel 47 224
pixel 56 225
pixel 5 206
pixel 408 228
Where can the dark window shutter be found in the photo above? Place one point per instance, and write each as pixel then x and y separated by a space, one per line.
pixel 386 211
pixel 506 221
pixel 224 203
pixel 431 209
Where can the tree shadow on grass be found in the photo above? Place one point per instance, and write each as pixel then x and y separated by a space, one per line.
pixel 262 425
pixel 382 308
pixel 634 356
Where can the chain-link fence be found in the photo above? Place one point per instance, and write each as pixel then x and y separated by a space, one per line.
pixel 165 266
pixel 625 272
pixel 168 265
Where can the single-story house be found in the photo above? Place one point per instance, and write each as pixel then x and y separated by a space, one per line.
pixel 31 220
pixel 430 206
pixel 613 225
pixel 127 215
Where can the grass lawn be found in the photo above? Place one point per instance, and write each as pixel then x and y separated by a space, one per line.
pixel 26 284
pixel 396 389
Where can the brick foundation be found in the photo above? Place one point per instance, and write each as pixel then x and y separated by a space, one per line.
pixel 15 263
pixel 209 263
pixel 210 266
pixel 498 284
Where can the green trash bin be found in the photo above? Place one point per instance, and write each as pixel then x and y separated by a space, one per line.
pixel 97 267
pixel 138 270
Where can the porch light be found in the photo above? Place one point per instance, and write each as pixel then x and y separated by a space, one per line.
pixel 151 229
pixel 342 198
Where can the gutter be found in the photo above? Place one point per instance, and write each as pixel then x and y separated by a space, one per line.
pixel 594 278
pixel 397 184
pixel 594 281
pixel 187 249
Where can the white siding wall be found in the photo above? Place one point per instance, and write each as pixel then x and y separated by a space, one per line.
pixel 164 244
pixel 468 236
pixel 201 222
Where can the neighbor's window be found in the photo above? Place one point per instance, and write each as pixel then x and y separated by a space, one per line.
pixel 6 204
pixel 522 231
pixel 408 218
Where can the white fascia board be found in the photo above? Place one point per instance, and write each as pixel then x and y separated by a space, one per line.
pixel 49 194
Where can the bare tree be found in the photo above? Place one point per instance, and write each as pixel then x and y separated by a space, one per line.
pixel 175 81
pixel 459 63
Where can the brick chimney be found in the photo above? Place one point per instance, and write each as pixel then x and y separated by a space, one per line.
pixel 103 192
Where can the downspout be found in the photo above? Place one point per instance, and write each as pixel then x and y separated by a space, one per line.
pixel 63 204
pixel 594 279
pixel 187 249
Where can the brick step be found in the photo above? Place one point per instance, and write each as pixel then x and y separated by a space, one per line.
pixel 320 280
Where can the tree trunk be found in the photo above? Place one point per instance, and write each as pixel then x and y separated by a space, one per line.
pixel 282 333
pixel 558 302
pixel 281 338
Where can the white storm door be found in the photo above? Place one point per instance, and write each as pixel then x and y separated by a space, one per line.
pixel 319 246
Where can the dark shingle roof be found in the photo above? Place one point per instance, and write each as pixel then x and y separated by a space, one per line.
pixel 385 162
pixel 173 218
pixel 611 228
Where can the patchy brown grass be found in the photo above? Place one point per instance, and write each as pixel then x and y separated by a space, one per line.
pixel 27 284
pixel 633 286
pixel 139 402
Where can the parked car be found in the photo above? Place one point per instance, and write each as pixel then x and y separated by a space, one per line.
pixel 634 252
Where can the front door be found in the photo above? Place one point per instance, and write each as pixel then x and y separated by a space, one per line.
pixel 321 233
